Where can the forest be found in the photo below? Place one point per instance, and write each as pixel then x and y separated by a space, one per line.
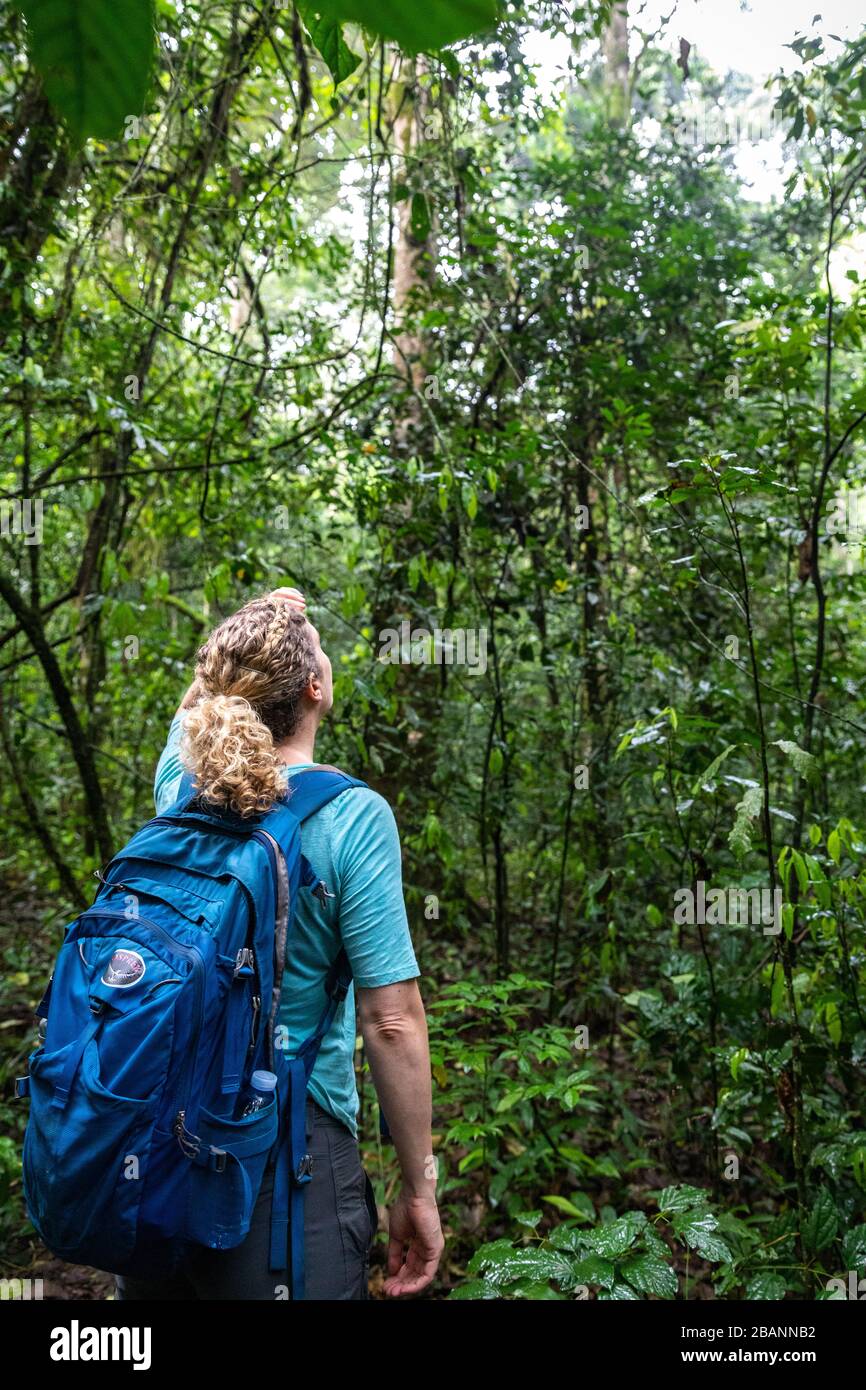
pixel 560 429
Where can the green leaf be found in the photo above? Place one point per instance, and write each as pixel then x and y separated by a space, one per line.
pixel 697 1232
pixel 804 763
pixel 681 1198
pixel 490 1255
pixel 854 1249
pixel 416 28
pixel 819 1227
pixel 583 1204
pixel 529 1218
pixel 327 35
pixel 95 59
pixel 419 221
pixel 452 67
pixel 616 1237
pixel 475 1288
pixel 778 997
pixel 818 880
pixel 536 1290
pixel 567 1238
pixel 595 1270
pixel 501 1263
pixel 709 773
pixel 833 1020
pixel 619 1291
pixel 740 838
pixel 765 1286
pixel 801 870
pixel 563 1204
pixel 649 1274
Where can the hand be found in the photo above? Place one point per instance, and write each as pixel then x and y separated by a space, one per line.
pixel 291 596
pixel 413 1221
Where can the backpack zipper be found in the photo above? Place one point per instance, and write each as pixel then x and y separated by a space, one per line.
pixel 247 957
pixel 254 1025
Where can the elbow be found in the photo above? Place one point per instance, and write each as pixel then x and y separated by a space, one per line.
pixel 390 1028
pixel 391 1015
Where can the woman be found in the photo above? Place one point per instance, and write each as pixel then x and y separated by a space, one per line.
pixel 247 724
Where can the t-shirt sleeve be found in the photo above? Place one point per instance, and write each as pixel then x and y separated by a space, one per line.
pixel 169 769
pixel 373 923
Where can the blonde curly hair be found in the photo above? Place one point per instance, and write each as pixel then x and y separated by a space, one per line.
pixel 251 674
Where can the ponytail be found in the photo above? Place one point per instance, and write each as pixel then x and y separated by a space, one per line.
pixel 231 752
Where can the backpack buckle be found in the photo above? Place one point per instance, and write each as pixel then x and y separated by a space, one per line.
pixel 304 1171
pixel 220 1159
pixel 244 960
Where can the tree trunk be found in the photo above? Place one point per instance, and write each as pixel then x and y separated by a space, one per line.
pixel 414 254
pixel 616 72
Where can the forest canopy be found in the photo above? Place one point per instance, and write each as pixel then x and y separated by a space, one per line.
pixel 559 427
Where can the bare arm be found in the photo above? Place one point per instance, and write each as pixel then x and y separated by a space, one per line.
pixel 395 1036
pixel 394 1029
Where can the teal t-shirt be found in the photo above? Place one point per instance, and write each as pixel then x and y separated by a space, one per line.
pixel 353 844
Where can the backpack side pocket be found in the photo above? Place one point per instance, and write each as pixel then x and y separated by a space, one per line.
pixel 227 1175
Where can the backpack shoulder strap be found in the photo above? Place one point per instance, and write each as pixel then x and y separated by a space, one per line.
pixel 313 788
pixel 307 793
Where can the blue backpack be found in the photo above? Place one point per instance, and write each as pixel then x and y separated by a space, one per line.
pixel 162 1003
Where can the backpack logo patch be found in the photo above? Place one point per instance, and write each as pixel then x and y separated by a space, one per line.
pixel 124 969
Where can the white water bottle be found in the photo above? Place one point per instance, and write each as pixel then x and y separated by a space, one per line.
pixel 262 1086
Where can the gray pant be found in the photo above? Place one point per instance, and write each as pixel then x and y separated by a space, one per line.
pixel 340 1222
